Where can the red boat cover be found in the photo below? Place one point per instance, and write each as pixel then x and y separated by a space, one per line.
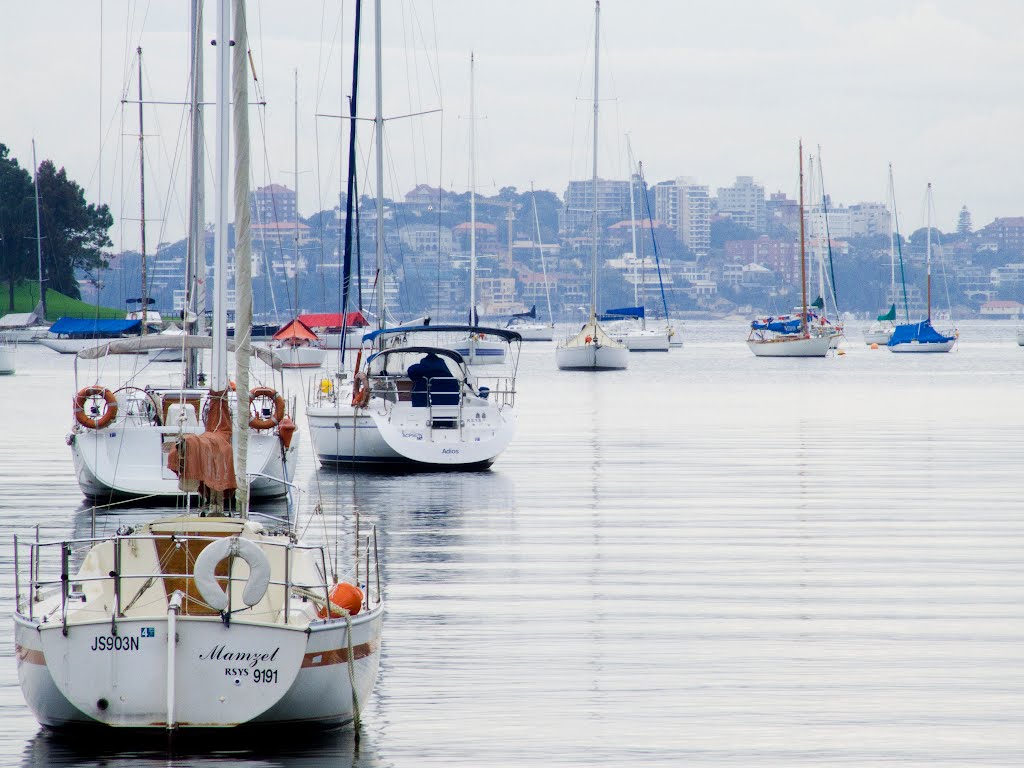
pixel 208 459
pixel 296 329
pixel 333 320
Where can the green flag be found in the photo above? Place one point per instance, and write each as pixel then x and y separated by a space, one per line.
pixel 889 316
pixel 819 303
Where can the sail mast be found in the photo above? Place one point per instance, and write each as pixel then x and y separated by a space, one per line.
pixel 892 244
pixel 899 246
pixel 593 219
pixel 142 197
pixel 243 257
pixel 803 259
pixel 654 244
pixel 472 197
pixel 195 272
pixel 378 123
pixel 219 371
pixel 295 134
pixel 350 189
pixel 928 250
pixel 540 247
pixel 632 217
pixel 39 235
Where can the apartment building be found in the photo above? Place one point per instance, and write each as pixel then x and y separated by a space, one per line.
pixel 685 207
pixel 744 203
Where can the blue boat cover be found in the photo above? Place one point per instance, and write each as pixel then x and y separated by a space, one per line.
pixel 87 326
pixel 622 312
pixel 922 332
pixel 777 326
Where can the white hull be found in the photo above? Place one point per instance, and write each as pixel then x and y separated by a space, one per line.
pixel 398 434
pixel 1020 336
pixel 353 339
pixel 481 351
pixel 643 340
pixel 879 336
pixel 918 347
pixel 300 357
pixel 130 461
pixel 92 664
pixel 29 335
pixel 592 349
pixel 7 354
pixel 815 346
pixel 538 332
pixel 591 357
pixel 310 673
pixel 74 346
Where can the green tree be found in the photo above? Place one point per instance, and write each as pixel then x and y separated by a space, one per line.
pixel 16 224
pixel 75 231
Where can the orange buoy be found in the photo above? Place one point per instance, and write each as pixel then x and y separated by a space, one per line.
pixel 589 339
pixel 285 431
pixel 874 345
pixel 343 595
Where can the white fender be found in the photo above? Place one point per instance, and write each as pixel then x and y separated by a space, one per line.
pixel 210 557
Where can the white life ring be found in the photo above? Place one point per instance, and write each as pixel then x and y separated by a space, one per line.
pixel 210 557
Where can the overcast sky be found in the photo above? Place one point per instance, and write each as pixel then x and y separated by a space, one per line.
pixel 705 89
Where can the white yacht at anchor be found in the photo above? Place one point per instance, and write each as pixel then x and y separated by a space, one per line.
pixel 416 405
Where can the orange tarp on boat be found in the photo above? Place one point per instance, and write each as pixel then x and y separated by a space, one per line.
pixel 294 330
pixel 208 463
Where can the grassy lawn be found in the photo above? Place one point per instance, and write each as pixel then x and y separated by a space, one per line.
pixel 26 296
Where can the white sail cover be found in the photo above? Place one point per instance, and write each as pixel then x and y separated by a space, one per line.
pixel 157 341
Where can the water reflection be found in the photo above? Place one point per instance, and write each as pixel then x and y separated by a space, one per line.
pixel 705 560
pixel 291 748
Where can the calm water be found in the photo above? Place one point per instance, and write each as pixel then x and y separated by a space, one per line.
pixel 708 560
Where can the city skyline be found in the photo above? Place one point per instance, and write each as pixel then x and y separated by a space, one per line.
pixel 920 84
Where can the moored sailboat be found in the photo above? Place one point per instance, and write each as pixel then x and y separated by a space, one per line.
pixel 922 336
pixel 789 336
pixel 416 405
pixel 526 324
pixel 881 330
pixel 121 434
pixel 198 623
pixel 592 349
pixel 476 348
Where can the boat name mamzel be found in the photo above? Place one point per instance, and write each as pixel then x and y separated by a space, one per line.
pixel 252 658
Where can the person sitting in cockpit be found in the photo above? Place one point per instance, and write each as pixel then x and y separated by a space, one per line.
pixel 432 382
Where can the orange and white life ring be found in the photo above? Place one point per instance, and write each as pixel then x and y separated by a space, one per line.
pixel 257 421
pixel 360 390
pixel 109 407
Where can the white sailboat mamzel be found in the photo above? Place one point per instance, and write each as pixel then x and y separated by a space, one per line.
pixel 199 622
